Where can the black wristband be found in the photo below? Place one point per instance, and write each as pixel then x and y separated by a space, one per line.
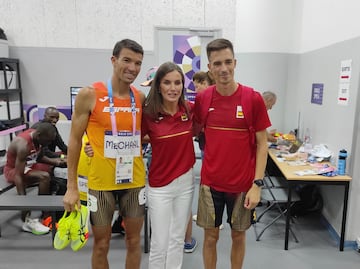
pixel 259 182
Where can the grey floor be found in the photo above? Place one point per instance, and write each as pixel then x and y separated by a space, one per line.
pixel 316 249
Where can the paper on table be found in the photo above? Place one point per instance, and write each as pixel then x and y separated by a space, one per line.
pixel 296 163
pixel 317 170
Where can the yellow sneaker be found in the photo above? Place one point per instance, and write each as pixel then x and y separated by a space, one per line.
pixel 62 236
pixel 79 230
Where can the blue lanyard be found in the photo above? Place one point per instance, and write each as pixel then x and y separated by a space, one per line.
pixel 112 109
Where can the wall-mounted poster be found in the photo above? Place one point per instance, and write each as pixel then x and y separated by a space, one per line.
pixel 344 82
pixel 343 94
pixel 317 93
pixel 187 51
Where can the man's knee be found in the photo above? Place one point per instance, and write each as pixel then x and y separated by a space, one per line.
pixel 101 245
pixel 133 228
pixel 44 176
pixel 132 242
pixel 238 237
pixel 211 236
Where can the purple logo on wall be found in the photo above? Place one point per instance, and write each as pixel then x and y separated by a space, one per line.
pixel 187 51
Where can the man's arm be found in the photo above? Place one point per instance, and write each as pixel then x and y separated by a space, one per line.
pixel 49 157
pixel 60 142
pixel 21 154
pixel 58 162
pixel 84 103
pixel 270 137
pixel 253 195
pixel 45 151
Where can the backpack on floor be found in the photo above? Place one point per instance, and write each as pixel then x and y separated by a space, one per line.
pixel 311 201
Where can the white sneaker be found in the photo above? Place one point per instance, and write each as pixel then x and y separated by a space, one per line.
pixel 194 217
pixel 35 226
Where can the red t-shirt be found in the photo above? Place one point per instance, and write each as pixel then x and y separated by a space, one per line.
pixel 172 146
pixel 229 161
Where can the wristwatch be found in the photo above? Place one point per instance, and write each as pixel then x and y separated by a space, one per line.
pixel 259 182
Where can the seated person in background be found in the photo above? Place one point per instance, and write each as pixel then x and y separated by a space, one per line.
pixel 270 100
pixel 48 154
pixel 22 169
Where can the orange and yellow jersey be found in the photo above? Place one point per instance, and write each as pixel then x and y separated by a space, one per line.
pixel 101 174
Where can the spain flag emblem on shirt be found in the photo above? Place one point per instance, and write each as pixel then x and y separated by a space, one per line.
pixel 239 112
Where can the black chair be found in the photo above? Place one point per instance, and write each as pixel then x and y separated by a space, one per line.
pixel 275 195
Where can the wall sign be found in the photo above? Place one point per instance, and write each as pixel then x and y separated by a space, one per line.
pixel 317 93
pixel 344 82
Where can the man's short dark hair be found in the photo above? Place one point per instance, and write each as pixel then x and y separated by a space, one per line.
pixel 219 44
pixel 50 109
pixel 128 44
pixel 46 129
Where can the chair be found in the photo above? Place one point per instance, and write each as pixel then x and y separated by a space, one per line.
pixel 275 195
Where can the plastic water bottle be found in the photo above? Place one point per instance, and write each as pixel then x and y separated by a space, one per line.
pixel 307 141
pixel 307 137
pixel 342 162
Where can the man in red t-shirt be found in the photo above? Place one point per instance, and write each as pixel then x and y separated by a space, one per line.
pixel 235 119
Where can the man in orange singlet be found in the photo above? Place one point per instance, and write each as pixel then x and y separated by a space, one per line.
pixel 110 113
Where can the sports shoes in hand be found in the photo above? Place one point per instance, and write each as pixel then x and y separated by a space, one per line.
pixel 79 231
pixel 34 226
pixel 62 236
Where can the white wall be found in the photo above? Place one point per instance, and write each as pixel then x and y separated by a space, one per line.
pixel 254 25
pixel 325 22
pixel 98 24
pixel 324 27
pixel 265 26
pixel 329 123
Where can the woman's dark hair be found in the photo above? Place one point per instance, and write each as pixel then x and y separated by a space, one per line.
pixel 154 100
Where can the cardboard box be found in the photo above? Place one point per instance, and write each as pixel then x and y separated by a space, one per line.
pixel 14 110
pixel 11 80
